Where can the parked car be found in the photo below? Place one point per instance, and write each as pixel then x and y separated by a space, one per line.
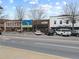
pixel 63 32
pixel 0 32
pixel 19 30
pixel 75 33
pixel 50 32
pixel 38 32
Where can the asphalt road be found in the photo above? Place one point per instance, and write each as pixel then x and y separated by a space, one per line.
pixel 61 48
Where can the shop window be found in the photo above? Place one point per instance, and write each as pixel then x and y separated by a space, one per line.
pixel 67 21
pixel 54 22
pixel 60 21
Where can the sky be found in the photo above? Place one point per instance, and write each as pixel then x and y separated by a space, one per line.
pixel 53 7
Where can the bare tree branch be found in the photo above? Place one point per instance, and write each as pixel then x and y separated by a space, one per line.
pixel 37 14
pixel 71 9
pixel 20 13
pixel 2 13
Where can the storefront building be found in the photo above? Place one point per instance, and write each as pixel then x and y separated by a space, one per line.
pixel 2 21
pixel 27 25
pixel 42 25
pixel 11 25
pixel 63 21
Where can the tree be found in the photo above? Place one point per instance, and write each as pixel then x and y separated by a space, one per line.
pixel 37 14
pixel 2 13
pixel 71 9
pixel 20 13
pixel 1 8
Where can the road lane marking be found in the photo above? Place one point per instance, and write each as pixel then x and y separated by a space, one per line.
pixel 57 45
pixel 21 37
pixel 37 38
pixel 4 38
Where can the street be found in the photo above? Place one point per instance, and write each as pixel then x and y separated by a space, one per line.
pixel 64 48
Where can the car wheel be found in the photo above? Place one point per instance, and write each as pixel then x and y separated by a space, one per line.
pixel 68 35
pixel 77 35
pixel 61 34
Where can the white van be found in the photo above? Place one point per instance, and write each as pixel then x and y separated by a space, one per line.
pixel 63 32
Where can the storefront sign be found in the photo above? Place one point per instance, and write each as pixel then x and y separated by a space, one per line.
pixel 44 22
pixel 26 23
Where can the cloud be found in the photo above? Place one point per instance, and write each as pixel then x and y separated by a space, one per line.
pixel 46 6
pixel 52 10
pixel 5 6
pixel 48 0
pixel 11 1
pixel 0 1
pixel 64 2
pixel 57 10
pixel 57 3
pixel 25 0
pixel 33 2
pixel 58 7
pixel 14 7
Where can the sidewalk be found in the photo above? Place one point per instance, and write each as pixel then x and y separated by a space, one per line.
pixel 14 53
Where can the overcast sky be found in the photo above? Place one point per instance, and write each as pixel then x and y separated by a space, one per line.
pixel 53 7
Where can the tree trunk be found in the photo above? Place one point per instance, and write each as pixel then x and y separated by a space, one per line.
pixel 21 25
pixel 36 25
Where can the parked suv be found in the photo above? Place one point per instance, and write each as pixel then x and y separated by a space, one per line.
pixel 50 32
pixel 75 33
pixel 0 32
pixel 63 32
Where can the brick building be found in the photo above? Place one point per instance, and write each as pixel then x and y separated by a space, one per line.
pixel 12 25
pixel 2 21
pixel 27 25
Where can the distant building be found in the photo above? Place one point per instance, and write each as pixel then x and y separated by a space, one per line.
pixel 2 21
pixel 41 25
pixel 62 21
pixel 12 25
pixel 27 25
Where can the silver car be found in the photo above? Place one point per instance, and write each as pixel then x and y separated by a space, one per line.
pixel 38 32
pixel 63 32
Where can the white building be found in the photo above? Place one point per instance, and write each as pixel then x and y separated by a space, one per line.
pixel 62 21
